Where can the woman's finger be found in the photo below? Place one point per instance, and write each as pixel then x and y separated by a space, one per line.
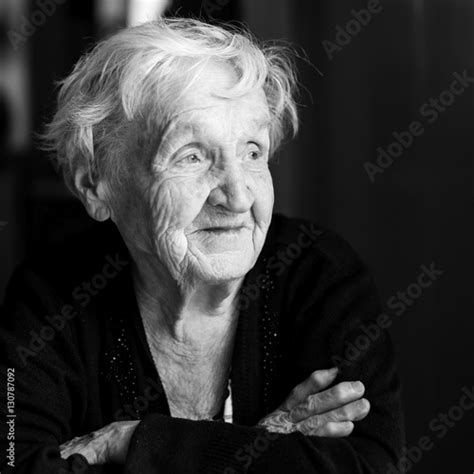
pixel 351 412
pixel 316 382
pixel 354 411
pixel 327 400
pixel 332 429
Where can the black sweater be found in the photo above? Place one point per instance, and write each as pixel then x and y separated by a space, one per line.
pixel 71 329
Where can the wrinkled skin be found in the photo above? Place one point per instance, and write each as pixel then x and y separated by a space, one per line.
pixel 314 409
pixel 207 173
pixel 210 170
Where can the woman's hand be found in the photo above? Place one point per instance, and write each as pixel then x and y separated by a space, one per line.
pixel 314 411
pixel 107 445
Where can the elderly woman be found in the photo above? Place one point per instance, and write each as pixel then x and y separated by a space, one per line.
pixel 191 330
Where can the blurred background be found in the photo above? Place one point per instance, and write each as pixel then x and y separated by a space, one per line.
pixel 375 68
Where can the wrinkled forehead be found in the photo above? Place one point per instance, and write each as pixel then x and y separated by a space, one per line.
pixel 215 85
pixel 196 117
pixel 188 106
pixel 195 109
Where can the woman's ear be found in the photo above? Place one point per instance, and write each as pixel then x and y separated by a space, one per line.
pixel 93 195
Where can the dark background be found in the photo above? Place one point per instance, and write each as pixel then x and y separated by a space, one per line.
pixel 418 211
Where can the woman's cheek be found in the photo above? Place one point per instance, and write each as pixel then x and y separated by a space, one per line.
pixel 177 202
pixel 262 189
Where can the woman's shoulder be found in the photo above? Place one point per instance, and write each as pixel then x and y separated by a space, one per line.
pixel 306 262
pixel 66 276
pixel 315 275
pixel 63 265
pixel 57 292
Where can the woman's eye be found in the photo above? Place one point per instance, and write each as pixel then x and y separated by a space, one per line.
pixel 255 154
pixel 190 159
pixel 193 159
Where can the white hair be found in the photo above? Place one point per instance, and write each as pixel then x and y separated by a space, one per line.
pixel 127 84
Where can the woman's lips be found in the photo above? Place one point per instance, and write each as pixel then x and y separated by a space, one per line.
pixel 214 240
pixel 222 230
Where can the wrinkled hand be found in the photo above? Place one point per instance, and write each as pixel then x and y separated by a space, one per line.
pixel 314 411
pixel 107 445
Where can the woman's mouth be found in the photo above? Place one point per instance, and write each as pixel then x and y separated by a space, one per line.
pixel 224 230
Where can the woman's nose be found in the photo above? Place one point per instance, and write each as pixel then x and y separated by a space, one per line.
pixel 232 191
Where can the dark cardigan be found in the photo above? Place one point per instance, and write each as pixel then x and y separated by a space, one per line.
pixel 71 329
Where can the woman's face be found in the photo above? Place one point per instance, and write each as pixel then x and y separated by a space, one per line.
pixel 203 202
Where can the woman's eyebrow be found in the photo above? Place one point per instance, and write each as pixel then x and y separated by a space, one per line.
pixel 182 131
pixel 179 132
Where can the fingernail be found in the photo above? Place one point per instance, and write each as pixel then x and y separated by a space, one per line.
pixel 357 386
pixel 333 371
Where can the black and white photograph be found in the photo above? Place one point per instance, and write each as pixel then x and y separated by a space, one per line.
pixel 236 236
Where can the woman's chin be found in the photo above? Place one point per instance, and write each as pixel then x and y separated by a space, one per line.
pixel 218 258
pixel 223 266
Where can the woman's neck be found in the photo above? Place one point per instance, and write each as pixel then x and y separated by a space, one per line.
pixel 189 314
